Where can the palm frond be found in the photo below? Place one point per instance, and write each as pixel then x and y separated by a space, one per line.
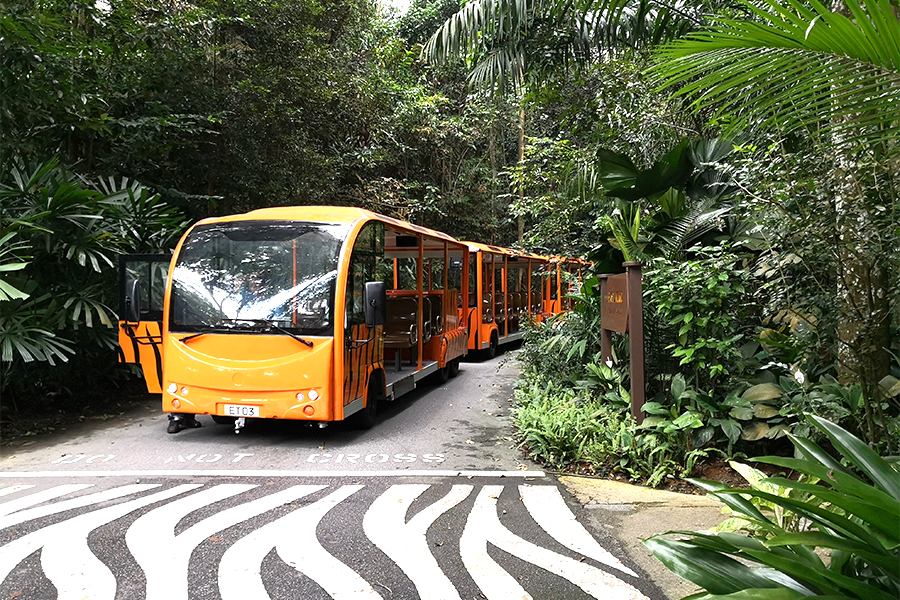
pixel 795 68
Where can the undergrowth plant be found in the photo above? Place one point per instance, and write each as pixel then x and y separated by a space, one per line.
pixel 849 546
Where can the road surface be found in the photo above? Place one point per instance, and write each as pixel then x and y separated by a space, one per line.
pixel 434 502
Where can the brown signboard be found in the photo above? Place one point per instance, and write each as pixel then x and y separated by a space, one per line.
pixel 614 305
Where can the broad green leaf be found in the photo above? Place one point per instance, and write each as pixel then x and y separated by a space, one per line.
pixel 879 470
pixel 754 430
pixel 710 570
pixel 764 411
pixel 762 392
pixel 678 386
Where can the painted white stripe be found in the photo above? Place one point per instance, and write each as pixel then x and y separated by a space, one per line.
pixel 494 581
pixel 38 497
pixel 167 572
pixel 294 537
pixel 13 489
pixel 548 508
pixel 484 526
pixel 404 542
pixel 81 501
pixel 269 473
pixel 66 558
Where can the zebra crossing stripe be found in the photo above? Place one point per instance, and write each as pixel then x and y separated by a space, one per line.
pixel 546 505
pixel 404 542
pixel 43 511
pixel 164 557
pixel 36 498
pixel 167 572
pixel 66 558
pixel 294 538
pixel 13 489
pixel 484 526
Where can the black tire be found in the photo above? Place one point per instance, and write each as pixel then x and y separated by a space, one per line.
pixel 454 367
pixel 491 351
pixel 220 420
pixel 365 419
pixel 442 375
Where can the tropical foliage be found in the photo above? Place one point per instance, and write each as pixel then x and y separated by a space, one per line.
pixel 61 235
pixel 832 532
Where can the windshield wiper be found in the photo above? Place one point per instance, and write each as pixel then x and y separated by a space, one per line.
pixel 278 328
pixel 187 338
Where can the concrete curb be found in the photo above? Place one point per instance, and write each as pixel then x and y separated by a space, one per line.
pixel 630 512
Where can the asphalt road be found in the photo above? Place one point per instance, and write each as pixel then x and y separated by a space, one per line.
pixel 435 502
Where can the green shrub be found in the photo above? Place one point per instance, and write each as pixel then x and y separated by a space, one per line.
pixel 60 236
pixel 850 508
pixel 556 424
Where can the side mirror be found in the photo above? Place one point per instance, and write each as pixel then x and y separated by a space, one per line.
pixel 376 304
pixel 132 300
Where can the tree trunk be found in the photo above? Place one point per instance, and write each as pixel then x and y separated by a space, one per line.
pixel 520 220
pixel 864 336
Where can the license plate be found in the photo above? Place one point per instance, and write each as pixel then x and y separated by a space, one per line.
pixel 240 410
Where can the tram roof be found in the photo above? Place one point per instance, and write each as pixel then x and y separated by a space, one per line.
pixel 329 214
pixel 479 247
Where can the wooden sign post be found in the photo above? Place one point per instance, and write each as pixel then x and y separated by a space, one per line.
pixel 622 311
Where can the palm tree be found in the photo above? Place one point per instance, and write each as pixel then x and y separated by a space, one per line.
pixel 795 66
pixel 504 41
pixel 507 42
pixel 800 66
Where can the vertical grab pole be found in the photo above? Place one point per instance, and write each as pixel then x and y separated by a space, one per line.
pixel 445 293
pixel 530 304
pixel 294 285
pixel 419 277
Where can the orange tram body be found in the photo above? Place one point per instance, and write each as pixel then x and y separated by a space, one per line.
pixel 319 313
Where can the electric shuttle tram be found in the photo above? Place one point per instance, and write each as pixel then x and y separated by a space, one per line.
pixel 309 313
pixel 319 313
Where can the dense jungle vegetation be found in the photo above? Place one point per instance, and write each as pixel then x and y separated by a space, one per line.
pixel 745 152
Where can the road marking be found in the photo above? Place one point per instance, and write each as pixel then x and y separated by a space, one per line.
pixel 294 538
pixel 65 556
pixel 268 473
pixel 38 497
pixel 167 572
pixel 404 542
pixel 549 510
pixel 483 526
pixel 13 489
pixel 70 565
pixel 43 511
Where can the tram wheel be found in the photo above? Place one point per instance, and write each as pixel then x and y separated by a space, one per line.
pixel 442 375
pixel 492 349
pixel 454 367
pixel 365 419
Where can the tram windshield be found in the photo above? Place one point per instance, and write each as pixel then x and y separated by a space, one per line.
pixel 257 276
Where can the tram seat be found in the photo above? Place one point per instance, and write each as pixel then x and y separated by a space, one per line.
pixel 500 315
pixel 401 324
pixel 487 311
pixel 499 312
pixel 427 325
pixel 437 315
pixel 515 309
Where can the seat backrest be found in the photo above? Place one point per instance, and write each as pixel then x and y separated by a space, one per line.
pixel 437 314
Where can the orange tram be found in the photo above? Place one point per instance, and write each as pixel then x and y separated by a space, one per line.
pixel 320 313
